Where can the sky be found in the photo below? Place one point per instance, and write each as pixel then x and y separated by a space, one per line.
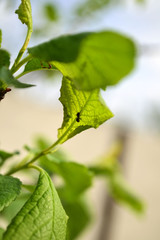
pixel 135 95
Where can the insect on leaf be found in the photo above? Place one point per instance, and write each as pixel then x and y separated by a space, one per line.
pixel 35 64
pixel 82 110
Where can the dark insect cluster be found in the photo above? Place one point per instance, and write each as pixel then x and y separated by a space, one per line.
pixel 78 117
pixel 3 92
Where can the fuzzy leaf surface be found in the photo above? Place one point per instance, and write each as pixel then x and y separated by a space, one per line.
pixel 82 110
pixel 90 60
pixel 25 13
pixel 42 217
pixel 9 190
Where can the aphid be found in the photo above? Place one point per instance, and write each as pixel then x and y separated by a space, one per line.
pixel 3 92
pixel 46 67
pixel 50 66
pixel 78 117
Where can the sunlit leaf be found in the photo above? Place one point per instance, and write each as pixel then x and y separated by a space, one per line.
pixel 82 110
pixel 90 60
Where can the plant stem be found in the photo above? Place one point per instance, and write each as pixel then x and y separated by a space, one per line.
pixel 43 153
pixel 21 63
pixel 21 52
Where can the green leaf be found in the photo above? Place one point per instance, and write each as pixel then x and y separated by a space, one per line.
pixel 9 190
pixel 0 37
pixel 123 194
pixel 76 176
pixel 50 12
pixel 25 13
pixel 91 60
pixel 1 233
pixel 6 79
pixel 101 171
pixel 80 209
pixel 110 169
pixel 35 64
pixel 11 211
pixel 77 209
pixel 42 217
pixel 4 58
pixel 91 6
pixel 5 155
pixel 82 110
pixel 57 163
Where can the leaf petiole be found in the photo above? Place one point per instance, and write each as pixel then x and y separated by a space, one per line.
pixel 20 64
pixel 46 151
pixel 17 64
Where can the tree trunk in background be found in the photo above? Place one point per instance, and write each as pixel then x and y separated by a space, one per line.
pixel 108 212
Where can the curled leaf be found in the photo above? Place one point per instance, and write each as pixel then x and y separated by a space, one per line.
pixel 25 13
pixel 82 110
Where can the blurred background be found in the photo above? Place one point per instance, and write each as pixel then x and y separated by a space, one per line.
pixel 135 101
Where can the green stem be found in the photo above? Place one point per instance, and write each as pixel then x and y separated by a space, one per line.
pixel 21 52
pixel 20 75
pixel 43 153
pixel 21 63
